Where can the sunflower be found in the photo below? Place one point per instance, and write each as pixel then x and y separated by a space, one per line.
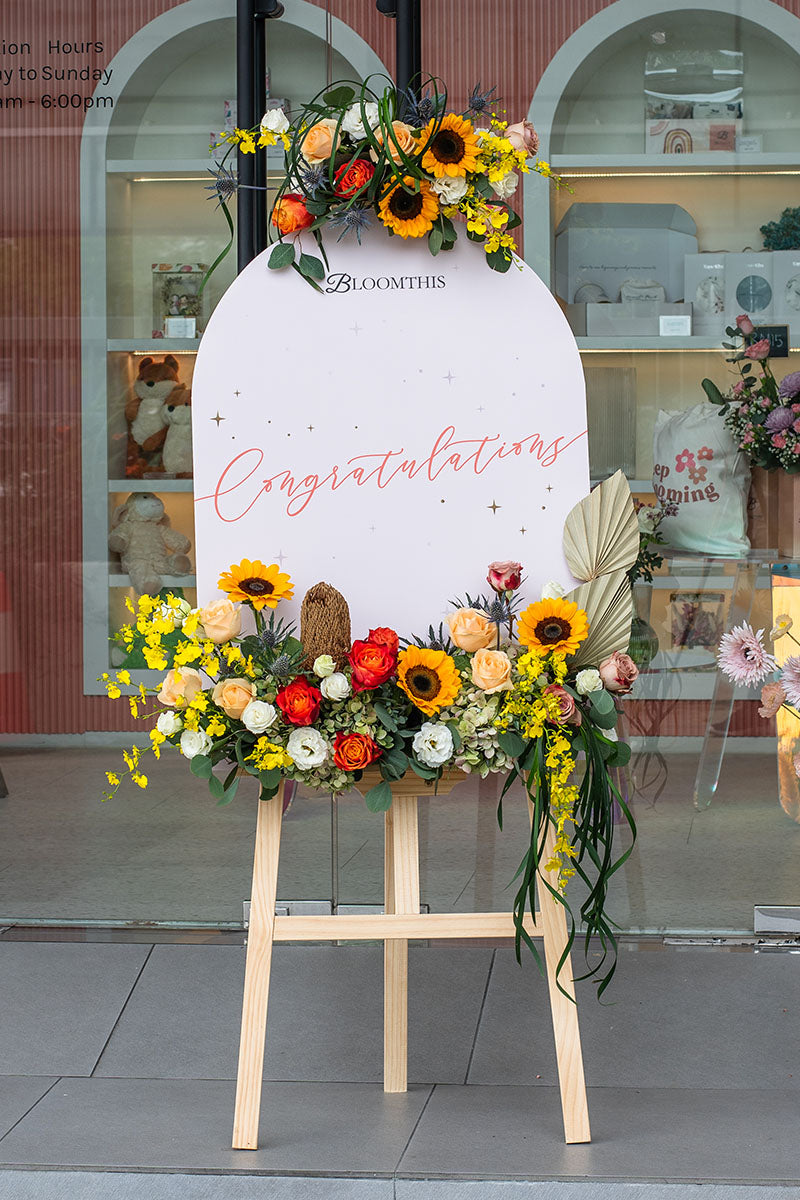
pixel 553 625
pixel 256 584
pixel 429 678
pixel 453 147
pixel 407 212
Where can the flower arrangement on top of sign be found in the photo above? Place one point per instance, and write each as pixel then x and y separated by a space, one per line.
pixel 524 693
pixel 355 156
pixel 762 414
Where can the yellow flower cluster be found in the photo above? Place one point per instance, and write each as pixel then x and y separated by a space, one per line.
pixel 526 700
pixel 498 155
pixel 248 142
pixel 560 764
pixel 267 756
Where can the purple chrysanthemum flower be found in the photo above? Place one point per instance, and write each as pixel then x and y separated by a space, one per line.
pixel 789 386
pixel 779 419
pixel 790 678
pixel 744 659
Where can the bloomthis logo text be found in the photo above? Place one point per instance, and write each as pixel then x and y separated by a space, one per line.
pixel 342 282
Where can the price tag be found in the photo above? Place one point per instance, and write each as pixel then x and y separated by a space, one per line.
pixel 778 336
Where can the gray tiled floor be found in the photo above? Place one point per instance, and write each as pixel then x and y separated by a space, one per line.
pixel 17 1096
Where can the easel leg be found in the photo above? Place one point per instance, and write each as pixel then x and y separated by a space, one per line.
pixel 565 1014
pixel 257 969
pixel 401 896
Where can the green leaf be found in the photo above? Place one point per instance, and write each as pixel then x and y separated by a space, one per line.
pixel 435 240
pixel 424 772
pixel 385 717
pixel 379 798
pixel 620 755
pixel 317 208
pixel 311 267
pixel 215 787
pixel 713 392
pixel 514 220
pixel 340 97
pixel 282 255
pixel 457 739
pixel 230 786
pixel 602 702
pixel 511 743
pixel 270 779
pixel 200 766
pixel 605 720
pixel 498 261
pixel 394 762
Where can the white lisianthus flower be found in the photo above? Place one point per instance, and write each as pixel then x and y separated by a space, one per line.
pixel 649 518
pixel 552 590
pixel 274 121
pixel 505 187
pixel 258 716
pixel 335 687
pixel 449 189
pixel 169 723
pixel 588 681
pixel 323 666
pixel 193 742
pixel 307 747
pixel 353 124
pixel 433 745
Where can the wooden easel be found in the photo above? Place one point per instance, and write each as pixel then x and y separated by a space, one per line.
pixel 402 920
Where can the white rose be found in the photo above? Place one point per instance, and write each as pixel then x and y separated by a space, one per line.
pixel 307 747
pixel 258 716
pixel 449 190
pixel 352 123
pixel 433 745
pixel 588 681
pixel 194 741
pixel 552 590
pixel 505 187
pixel 169 723
pixel 323 666
pixel 335 687
pixel 274 121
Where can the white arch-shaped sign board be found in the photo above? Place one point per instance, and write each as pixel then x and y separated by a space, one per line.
pixel 392 435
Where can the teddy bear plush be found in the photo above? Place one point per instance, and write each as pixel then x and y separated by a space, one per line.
pixel 177 452
pixel 147 545
pixel 145 414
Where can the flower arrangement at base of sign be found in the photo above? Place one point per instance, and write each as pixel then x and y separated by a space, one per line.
pixel 358 156
pixel 523 693
pixel 762 414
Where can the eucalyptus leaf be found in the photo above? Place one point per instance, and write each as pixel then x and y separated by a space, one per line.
pixel 379 798
pixel 458 741
pixel 200 766
pixel 385 717
pixel 282 255
pixel 435 240
pixel 339 97
pixel 621 755
pixel 602 702
pixel 311 267
pixel 511 743
pixel 216 788
pixel 713 392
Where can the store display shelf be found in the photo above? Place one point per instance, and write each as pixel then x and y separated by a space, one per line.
pixel 154 345
pixel 628 345
pixel 142 169
pixel 181 581
pixel 674 164
pixel 150 485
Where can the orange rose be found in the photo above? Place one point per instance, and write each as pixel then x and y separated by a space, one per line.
pixel 220 621
pixel 233 696
pixel 471 630
pixel 354 751
pixel 349 179
pixel 180 687
pixel 290 214
pixel 491 671
pixel 318 144
pixel 401 138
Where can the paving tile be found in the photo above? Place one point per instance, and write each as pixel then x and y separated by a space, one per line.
pixel 121 1185
pixel 539 1189
pixel 662 1134
pixel 60 1002
pixel 325 1014
pixel 18 1093
pixel 675 1017
pixel 313 1128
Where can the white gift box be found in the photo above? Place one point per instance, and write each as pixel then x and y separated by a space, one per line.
pixel 606 244
pixel 748 286
pixel 704 290
pixel 632 318
pixel 786 290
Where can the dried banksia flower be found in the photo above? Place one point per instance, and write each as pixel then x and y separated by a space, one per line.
pixel 325 624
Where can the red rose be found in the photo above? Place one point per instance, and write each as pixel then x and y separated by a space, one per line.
pixel 372 664
pixel 385 637
pixel 290 214
pixel 299 702
pixel 354 751
pixel 504 576
pixel 348 180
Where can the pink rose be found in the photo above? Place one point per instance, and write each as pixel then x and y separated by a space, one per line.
pixel 758 350
pixel 738 388
pixel 618 673
pixel 504 576
pixel 744 324
pixel 778 440
pixel 772 697
pixel 568 714
pixel 523 136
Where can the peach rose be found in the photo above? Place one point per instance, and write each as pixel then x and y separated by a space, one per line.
pixel 220 621
pixel 233 696
pixel 618 673
pixel 401 138
pixel 523 136
pixel 471 630
pixel 491 671
pixel 180 687
pixel 318 144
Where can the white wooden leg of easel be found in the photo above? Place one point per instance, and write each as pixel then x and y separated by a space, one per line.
pixel 565 1013
pixel 401 896
pixel 257 969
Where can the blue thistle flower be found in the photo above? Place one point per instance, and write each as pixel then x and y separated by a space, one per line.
pixel 350 220
pixel 479 101
pixel 312 178
pixel 224 187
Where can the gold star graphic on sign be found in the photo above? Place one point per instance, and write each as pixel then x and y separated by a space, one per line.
pixel 523 530
pixel 494 507
pixel 218 418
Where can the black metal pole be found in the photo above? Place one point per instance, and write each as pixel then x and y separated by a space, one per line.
pixel 404 46
pixel 245 119
pixel 259 98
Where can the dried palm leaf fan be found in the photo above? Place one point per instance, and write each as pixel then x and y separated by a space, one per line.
pixel 601 544
pixel 325 624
